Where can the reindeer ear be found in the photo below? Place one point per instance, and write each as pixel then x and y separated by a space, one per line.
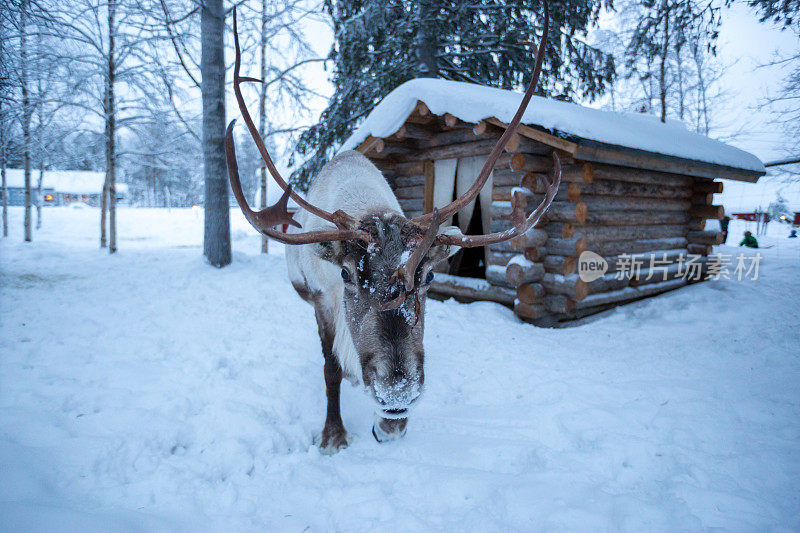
pixel 332 251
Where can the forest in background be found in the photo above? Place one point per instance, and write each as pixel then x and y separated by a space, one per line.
pixel 136 88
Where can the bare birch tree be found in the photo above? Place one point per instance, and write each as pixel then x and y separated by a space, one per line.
pixel 42 89
pixel 4 87
pixel 104 191
pixel 111 129
pixel 262 112
pixel 3 172
pixel 26 115
pixel 108 195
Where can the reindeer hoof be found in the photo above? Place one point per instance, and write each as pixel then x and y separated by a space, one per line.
pixel 388 429
pixel 332 441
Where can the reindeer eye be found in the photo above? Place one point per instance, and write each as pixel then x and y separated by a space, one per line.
pixel 429 277
pixel 345 275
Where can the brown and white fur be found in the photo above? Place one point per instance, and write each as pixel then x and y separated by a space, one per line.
pixel 347 282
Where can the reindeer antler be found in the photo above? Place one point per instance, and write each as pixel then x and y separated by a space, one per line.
pixel 409 269
pixel 273 215
pixel 264 220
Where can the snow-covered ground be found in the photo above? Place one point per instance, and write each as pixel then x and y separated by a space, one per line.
pixel 149 391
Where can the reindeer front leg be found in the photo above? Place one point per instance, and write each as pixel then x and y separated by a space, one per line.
pixel 334 437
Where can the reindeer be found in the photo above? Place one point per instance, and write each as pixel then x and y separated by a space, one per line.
pixel 366 268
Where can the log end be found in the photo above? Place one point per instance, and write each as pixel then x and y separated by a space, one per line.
pixel 700 249
pixel 517 162
pixel 529 181
pixel 574 191
pixel 530 293
pixel 535 253
pixel 588 173
pixel 529 311
pixel 519 270
pixel 581 211
pixel 569 265
pixel 513 143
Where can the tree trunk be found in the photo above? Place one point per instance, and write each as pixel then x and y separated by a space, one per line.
pixel 3 175
pixel 702 112
pixel 111 128
pixel 681 92
pixel 39 194
pixel 217 236
pixel 3 161
pixel 262 114
pixel 104 192
pixel 426 41
pixel 103 213
pixel 662 74
pixel 40 98
pixel 26 118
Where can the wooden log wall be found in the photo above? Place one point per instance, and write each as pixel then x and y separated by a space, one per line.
pixel 614 212
pixel 627 211
pixel 610 210
pixel 702 209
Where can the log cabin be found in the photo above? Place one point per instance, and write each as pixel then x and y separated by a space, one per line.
pixel 632 186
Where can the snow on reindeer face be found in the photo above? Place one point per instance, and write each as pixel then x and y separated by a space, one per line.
pixel 388 340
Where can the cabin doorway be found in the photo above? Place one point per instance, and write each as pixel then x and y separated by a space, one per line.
pixel 452 178
pixel 470 262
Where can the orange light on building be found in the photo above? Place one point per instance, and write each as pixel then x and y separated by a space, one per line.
pixel 48 198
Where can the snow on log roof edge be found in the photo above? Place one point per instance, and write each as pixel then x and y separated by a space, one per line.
pixel 472 103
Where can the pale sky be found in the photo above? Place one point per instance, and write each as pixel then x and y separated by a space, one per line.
pixel 749 44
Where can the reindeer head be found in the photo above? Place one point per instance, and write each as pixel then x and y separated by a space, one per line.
pixel 385 283
pixel 386 260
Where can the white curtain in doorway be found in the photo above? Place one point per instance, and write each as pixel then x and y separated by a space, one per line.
pixel 460 174
pixel 467 173
pixel 444 180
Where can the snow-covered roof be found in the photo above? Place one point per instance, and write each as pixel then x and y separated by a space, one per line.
pixel 66 181
pixel 471 103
